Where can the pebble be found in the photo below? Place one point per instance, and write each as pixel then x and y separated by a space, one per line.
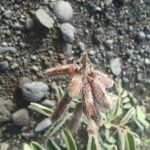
pixel 44 18
pixel 6 107
pixel 109 43
pixel 7 49
pixel 115 65
pixel 7 14
pixel 141 36
pixel 4 66
pixel 68 32
pixel 67 49
pixel 29 23
pixel 48 103
pixel 33 91
pixel 35 68
pixel 21 117
pixel 82 46
pixel 148 36
pixel 44 124
pixel 63 11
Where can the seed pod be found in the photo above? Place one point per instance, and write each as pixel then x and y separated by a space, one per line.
pixel 61 107
pixel 75 85
pixel 99 93
pixel 74 121
pixel 102 77
pixel 63 70
pixel 87 98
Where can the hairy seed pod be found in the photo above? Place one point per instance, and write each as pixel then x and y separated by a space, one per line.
pixel 74 121
pixel 99 93
pixel 63 70
pixel 87 98
pixel 75 85
pixel 102 77
pixel 61 107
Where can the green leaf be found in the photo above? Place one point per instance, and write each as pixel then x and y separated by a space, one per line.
pixel 128 115
pixel 121 138
pixel 26 147
pixel 118 88
pixel 55 127
pixel 131 141
pixel 114 147
pixel 127 106
pixel 138 124
pixel 41 109
pixel 141 117
pixel 69 140
pixel 126 100
pixel 91 145
pixel 37 146
pixel 51 145
pixel 111 139
pixel 117 110
pixel 59 92
pixel 124 94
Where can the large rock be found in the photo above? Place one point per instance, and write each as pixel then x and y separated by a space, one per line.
pixel 33 91
pixel 63 11
pixel 44 18
pixel 68 32
pixel 21 117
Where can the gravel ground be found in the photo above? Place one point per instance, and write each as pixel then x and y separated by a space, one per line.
pixel 35 36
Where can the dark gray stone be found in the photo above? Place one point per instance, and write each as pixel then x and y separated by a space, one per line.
pixel 140 36
pixel 21 117
pixel 33 91
pixel 68 32
pixel 63 10
pixel 4 66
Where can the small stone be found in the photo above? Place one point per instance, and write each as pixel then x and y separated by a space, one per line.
pixel 44 18
pixel 82 46
pixel 7 49
pixel 21 117
pixel 147 61
pixel 44 124
pixel 35 68
pixel 4 66
pixel 68 32
pixel 7 14
pixel 4 146
pixel 29 23
pixel 67 49
pixel 141 36
pixel 6 107
pixel 63 11
pixel 33 91
pixel 48 103
pixel 148 36
pixel 91 52
pixel 109 43
pixel 17 26
pixel 115 65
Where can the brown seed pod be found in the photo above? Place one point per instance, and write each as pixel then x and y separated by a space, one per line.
pixel 106 81
pixel 61 107
pixel 87 98
pixel 99 93
pixel 74 121
pixel 75 85
pixel 63 70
